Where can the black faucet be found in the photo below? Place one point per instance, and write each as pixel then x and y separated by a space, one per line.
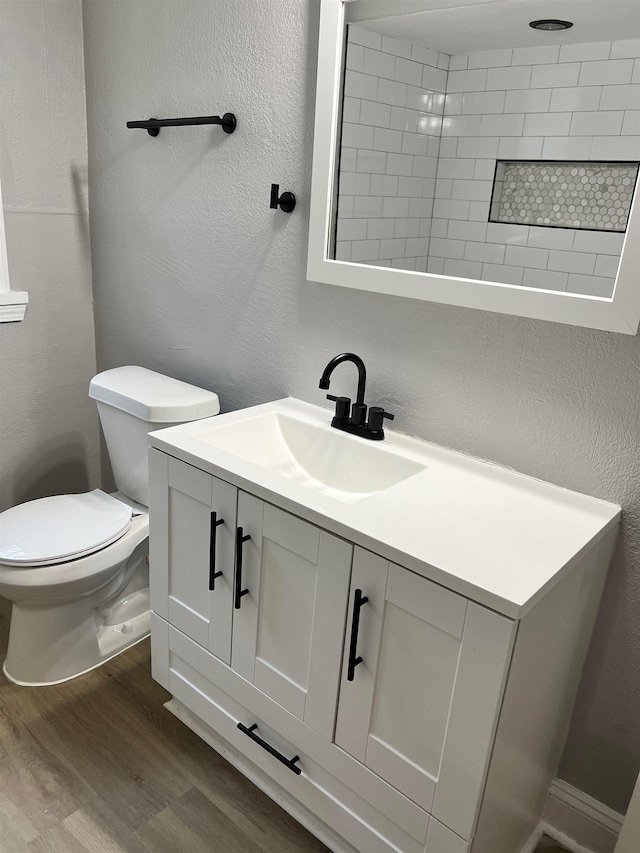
pixel 350 418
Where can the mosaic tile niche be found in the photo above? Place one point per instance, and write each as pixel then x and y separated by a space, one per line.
pixel 583 195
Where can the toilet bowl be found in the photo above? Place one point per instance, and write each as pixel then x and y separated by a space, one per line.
pixel 75 567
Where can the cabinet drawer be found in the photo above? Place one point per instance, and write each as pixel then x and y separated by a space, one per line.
pixel 329 778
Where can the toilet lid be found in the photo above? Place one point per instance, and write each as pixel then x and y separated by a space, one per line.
pixel 60 528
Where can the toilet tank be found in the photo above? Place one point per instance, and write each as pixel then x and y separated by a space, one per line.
pixel 133 401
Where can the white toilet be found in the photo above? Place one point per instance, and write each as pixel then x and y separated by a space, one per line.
pixel 76 566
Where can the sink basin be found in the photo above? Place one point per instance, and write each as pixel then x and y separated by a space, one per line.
pixel 312 454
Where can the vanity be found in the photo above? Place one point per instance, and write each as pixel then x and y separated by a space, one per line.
pixel 386 637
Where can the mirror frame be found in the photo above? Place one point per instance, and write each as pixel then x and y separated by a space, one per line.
pixel 620 313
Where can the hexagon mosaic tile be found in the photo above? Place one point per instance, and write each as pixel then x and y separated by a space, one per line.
pixel 590 195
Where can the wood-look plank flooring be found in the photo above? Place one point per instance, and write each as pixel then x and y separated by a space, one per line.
pixel 97 765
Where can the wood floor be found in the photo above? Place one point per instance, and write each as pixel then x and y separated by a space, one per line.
pixel 97 765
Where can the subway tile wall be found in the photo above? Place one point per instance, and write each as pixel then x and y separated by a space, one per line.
pixel 419 150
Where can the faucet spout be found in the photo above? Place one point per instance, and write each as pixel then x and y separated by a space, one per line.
pixel 339 359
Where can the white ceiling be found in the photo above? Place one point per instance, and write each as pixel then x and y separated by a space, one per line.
pixel 462 26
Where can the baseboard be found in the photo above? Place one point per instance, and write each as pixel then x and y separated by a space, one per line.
pixel 580 823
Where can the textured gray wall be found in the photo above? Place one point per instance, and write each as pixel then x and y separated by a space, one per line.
pixel 195 276
pixel 48 427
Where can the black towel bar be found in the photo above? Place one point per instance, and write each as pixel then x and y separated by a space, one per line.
pixel 153 125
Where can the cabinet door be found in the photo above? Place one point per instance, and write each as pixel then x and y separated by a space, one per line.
pixel 193 522
pixel 288 625
pixel 422 705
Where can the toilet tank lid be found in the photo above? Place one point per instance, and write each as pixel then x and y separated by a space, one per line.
pixel 153 397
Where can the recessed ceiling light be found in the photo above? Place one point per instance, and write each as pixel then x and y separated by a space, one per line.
pixel 550 24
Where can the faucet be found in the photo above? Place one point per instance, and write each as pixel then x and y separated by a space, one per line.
pixel 353 419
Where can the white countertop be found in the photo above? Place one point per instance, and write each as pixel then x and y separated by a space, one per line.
pixel 491 534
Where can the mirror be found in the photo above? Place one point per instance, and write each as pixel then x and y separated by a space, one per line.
pixel 467 157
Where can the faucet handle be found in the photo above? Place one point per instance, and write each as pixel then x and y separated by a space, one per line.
pixel 343 407
pixel 376 416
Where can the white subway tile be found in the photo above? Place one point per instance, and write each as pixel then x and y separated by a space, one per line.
pixel 352 183
pixel 575 99
pixel 602 123
pixel 510 235
pixel 608 73
pixel 635 77
pixel 386 185
pixel 620 97
pixel 435 266
pixel 545 279
pixel 365 250
pixel 352 229
pixel 547 124
pixel 472 190
pixel 405 227
pixel 428 187
pixel 569 148
pixel 428 124
pixel 365 206
pixel 420 99
pixel 607 266
pixel 398 47
pixel 379 64
pixel 458 62
pixel 447 248
pixel 421 264
pixel 386 140
pixel 392 92
pixel 415 143
pixel 551 238
pixel 449 147
pixel 523 256
pixel 501 273
pixel 380 229
pixel 425 55
pixel 601 242
pixel 425 226
pixel 408 72
pixel 355 57
pixel 395 208
pixel 515 77
pixel 449 209
pixel 453 103
pixel 439 227
pixel 357 136
pixel 373 162
pixel 491 253
pixel 434 78
pixel 410 187
pixel 443 61
pixel 351 110
pixel 343 251
pixel 479 211
pixel 477 148
pixel 590 285
pixel 615 148
pixel 345 206
pixel 404 263
pixel 416 246
pixel 540 55
pixel 348 160
pixel 357 85
pixel 625 49
pixel 585 52
pixel 375 114
pixel 631 123
pixel 484 170
pixel 463 269
pixel 483 102
pixel 456 168
pixel 461 125
pixel 572 262
pixel 359 35
pixel 444 188
pixel 504 124
pixel 424 167
pixel 399 164
pixel 421 207
pixel 459 230
pixel 552 76
pixel 392 248
pixel 468 81
pixel 531 101
pixel 520 148
pixel 489 58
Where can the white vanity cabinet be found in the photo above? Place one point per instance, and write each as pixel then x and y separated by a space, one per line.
pixel 398 670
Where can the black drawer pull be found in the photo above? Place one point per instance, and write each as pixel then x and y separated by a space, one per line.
pixel 288 762
pixel 358 600
pixel 215 523
pixel 239 592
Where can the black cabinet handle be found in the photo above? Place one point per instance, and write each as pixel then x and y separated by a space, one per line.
pixel 215 523
pixel 358 600
pixel 288 762
pixel 239 592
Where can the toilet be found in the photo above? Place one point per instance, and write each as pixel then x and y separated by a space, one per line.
pixel 76 567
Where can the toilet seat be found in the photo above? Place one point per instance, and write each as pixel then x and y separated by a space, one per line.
pixel 58 529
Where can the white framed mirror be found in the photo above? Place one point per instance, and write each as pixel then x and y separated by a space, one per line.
pixel 463 156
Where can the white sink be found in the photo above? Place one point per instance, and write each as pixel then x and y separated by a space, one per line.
pixel 312 454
